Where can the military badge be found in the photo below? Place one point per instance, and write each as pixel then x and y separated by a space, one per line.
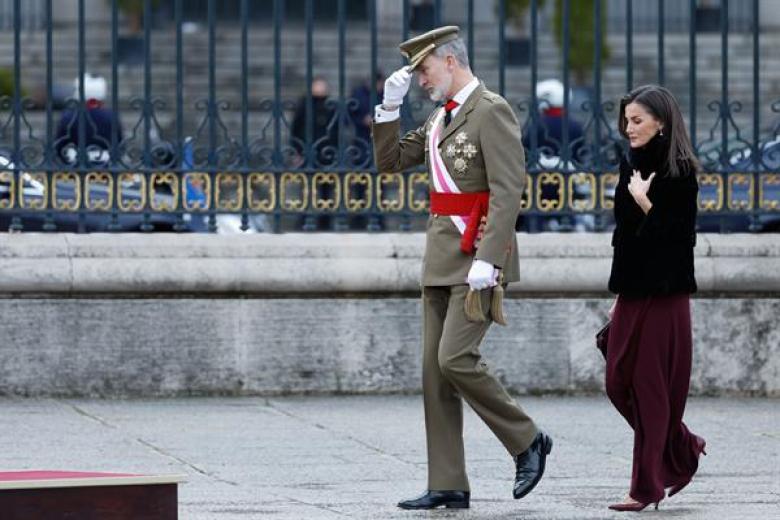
pixel 460 166
pixel 462 151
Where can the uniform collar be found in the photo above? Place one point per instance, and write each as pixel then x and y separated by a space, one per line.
pixel 464 93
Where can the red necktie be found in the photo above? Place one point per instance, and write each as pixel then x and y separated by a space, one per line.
pixel 449 106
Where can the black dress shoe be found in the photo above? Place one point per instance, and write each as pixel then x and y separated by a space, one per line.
pixel 434 499
pixel 529 465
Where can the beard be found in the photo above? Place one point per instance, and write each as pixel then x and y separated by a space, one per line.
pixel 438 93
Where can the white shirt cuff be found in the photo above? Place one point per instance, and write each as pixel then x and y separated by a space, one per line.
pixel 385 116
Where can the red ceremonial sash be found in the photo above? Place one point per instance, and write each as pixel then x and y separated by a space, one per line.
pixel 472 205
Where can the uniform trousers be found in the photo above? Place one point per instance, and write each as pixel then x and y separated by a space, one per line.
pixel 453 370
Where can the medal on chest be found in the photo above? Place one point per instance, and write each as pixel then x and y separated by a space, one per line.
pixel 461 152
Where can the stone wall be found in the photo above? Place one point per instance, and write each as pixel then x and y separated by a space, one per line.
pixel 150 315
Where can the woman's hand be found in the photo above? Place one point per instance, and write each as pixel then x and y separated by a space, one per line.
pixel 638 189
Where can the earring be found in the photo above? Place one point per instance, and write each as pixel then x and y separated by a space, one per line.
pixel 661 132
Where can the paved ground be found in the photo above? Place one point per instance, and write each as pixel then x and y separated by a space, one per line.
pixel 334 457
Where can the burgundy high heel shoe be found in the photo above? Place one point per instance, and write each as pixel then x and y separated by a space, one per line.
pixel 633 507
pixel 679 487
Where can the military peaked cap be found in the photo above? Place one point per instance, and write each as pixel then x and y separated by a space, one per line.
pixel 417 48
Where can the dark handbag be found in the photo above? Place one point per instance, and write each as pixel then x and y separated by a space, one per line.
pixel 602 337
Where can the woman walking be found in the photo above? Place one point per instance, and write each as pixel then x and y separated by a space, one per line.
pixel 650 339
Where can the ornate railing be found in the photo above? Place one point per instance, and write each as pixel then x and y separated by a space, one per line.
pixel 275 176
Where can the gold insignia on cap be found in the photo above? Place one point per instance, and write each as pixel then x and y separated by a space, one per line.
pixel 417 48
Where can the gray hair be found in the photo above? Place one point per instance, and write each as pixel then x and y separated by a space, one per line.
pixel 457 49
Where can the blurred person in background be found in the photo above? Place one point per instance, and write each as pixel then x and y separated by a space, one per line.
pixel 98 123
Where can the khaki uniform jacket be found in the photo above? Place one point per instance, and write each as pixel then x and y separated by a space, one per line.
pixel 495 163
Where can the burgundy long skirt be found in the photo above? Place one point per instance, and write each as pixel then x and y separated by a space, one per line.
pixel 648 373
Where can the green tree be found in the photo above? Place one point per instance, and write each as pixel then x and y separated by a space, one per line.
pixel 133 6
pixel 516 10
pixel 582 35
pixel 7 82
pixel 134 11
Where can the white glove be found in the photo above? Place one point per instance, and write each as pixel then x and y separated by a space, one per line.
pixel 482 275
pixel 396 87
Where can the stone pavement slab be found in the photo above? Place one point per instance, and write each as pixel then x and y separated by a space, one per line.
pixel 355 457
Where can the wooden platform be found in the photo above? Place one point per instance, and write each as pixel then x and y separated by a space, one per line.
pixel 60 495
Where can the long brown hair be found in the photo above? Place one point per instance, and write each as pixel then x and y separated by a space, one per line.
pixel 661 104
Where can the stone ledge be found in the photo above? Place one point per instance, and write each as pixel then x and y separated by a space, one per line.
pixel 330 263
pixel 259 346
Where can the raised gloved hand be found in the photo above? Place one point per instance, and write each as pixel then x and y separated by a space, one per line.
pixel 396 87
pixel 482 275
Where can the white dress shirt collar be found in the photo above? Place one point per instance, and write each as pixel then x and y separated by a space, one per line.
pixel 464 93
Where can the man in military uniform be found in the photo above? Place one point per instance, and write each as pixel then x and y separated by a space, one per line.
pixel 472 148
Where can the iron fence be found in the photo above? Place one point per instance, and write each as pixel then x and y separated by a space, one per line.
pixel 89 172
